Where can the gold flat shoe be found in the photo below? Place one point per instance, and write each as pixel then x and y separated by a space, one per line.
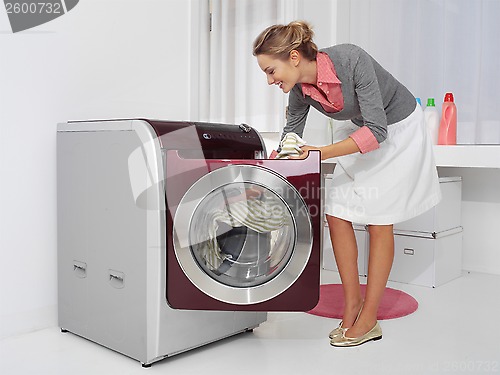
pixel 372 335
pixel 337 332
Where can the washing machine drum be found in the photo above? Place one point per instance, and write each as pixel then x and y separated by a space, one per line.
pixel 242 234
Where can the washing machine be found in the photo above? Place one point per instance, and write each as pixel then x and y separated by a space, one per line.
pixel 172 235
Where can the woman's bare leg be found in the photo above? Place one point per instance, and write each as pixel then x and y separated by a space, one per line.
pixel 346 256
pixel 379 266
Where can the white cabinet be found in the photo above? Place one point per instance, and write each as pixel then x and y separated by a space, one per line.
pixel 427 248
pixel 479 166
pixel 430 260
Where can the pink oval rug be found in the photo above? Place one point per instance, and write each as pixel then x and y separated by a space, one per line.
pixel 394 304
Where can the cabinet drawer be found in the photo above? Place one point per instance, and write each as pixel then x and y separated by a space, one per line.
pixel 427 261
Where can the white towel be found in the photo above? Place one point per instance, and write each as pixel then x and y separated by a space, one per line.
pixel 290 146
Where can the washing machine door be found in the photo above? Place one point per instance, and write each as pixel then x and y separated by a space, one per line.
pixel 243 234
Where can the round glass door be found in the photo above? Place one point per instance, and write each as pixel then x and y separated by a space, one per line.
pixel 242 234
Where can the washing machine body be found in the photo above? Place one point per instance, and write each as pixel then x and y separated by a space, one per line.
pixel 112 243
pixel 243 232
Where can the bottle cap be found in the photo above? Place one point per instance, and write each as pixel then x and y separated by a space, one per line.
pixel 448 97
pixel 430 102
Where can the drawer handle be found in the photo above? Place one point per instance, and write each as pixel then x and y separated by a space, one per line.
pixel 409 251
pixel 116 279
pixel 80 269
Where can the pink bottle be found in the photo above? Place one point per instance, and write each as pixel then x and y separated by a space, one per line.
pixel 448 124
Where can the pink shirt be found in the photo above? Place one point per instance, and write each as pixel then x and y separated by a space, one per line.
pixel 328 93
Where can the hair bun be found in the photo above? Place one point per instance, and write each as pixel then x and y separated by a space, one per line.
pixel 302 30
pixel 280 40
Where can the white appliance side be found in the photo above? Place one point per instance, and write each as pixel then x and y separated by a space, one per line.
pixel 101 233
pixel 112 238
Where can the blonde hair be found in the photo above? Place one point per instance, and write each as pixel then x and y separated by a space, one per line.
pixel 280 40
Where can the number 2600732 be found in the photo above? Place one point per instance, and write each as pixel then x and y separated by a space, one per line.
pixel 33 8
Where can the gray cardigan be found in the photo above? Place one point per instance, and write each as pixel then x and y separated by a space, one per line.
pixel 372 96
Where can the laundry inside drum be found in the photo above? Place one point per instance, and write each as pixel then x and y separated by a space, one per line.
pixel 242 234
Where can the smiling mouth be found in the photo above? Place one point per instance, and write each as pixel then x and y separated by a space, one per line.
pixel 280 84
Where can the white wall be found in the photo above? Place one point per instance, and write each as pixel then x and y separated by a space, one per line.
pixel 104 59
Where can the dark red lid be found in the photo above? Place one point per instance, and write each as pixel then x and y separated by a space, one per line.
pixel 448 97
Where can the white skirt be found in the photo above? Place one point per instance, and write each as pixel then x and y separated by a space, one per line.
pixel 393 183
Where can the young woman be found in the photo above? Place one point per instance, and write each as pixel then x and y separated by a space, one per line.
pixel 385 171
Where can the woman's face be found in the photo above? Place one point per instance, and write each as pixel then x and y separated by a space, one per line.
pixel 285 74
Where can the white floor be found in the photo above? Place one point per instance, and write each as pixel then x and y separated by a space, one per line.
pixel 454 331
